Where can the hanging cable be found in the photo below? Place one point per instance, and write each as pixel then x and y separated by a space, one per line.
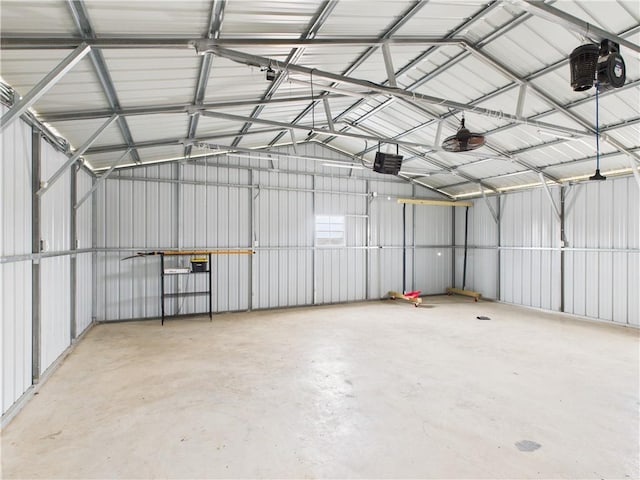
pixel 597 175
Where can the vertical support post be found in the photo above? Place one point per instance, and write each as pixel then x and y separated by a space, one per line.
pixel 162 287
pixel 94 254
pixel 466 236
pixel 73 236
pixel 453 246
pixel 210 289
pixel 499 265
pixel 404 248
pixel 562 246
pixel 35 249
pixel 413 244
pixel 178 229
pixel 367 267
pixel 313 250
pixel 251 239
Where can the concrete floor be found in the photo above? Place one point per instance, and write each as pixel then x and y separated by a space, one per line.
pixel 377 389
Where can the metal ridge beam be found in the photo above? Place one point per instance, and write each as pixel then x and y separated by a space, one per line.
pixel 255 60
pixel 167 142
pixel 44 42
pixel 172 108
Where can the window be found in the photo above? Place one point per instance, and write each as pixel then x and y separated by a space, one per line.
pixel 329 231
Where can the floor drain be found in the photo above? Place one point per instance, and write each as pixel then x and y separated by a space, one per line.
pixel 527 446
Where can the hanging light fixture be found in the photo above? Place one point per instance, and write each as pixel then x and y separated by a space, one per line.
pixel 463 140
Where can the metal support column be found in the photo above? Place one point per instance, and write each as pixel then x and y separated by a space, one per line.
pixel 94 255
pixel 413 242
pixel 562 247
pixel 466 236
pixel 73 236
pixel 453 246
pixel 36 154
pixel 313 250
pixel 367 271
pixel 404 248
pixel 251 240
pixel 499 233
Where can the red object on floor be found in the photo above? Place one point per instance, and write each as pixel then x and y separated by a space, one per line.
pixel 415 294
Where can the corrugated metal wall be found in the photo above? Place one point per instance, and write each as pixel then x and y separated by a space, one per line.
pixel 50 269
pixel 55 280
pixel 217 206
pixel 84 264
pixel 601 255
pixel 15 276
pixel 482 252
pixel 602 265
pixel 530 249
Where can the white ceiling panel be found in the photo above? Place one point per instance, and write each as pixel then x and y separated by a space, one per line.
pixel 99 161
pixel 161 154
pixel 79 131
pixel 77 88
pixel 153 76
pixel 157 127
pixel 121 17
pixel 438 18
pixel 36 17
pixel 268 18
pixel 357 19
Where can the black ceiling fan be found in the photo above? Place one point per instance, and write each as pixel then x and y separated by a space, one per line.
pixel 463 140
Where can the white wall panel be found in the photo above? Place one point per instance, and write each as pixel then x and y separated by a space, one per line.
pixel 601 265
pixel 84 264
pixel 530 258
pixel 84 291
pixel 15 189
pixel 482 253
pixel 15 344
pixel 55 213
pixel 55 309
pixel 284 237
pixel 15 277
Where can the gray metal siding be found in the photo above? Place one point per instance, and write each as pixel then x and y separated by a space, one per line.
pixel 530 256
pixel 602 265
pixel 55 281
pixel 84 264
pixel 15 348
pixel 15 276
pixel 198 206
